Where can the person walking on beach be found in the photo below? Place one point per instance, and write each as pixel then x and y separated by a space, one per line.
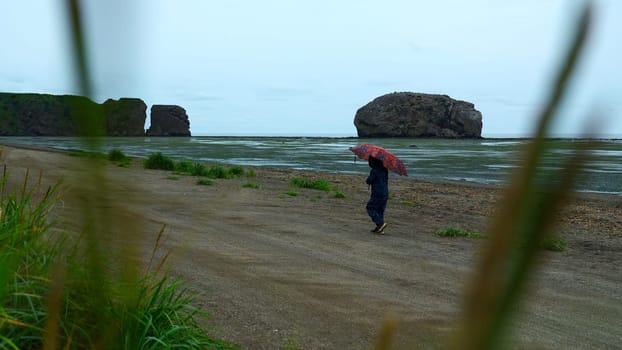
pixel 378 180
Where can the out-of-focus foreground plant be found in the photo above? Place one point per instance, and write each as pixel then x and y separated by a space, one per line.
pixel 524 217
pixel 89 291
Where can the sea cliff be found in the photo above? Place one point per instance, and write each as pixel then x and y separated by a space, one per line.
pixel 30 114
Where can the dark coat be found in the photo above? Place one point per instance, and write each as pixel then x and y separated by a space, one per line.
pixel 378 179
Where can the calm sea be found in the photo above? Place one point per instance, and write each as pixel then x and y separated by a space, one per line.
pixel 483 161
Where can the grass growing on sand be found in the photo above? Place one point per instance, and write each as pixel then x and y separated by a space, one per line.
pixel 116 155
pixel 455 232
pixel 218 172
pixel 185 167
pixel 205 182
pixel 236 171
pixel 554 244
pixel 159 161
pixel 339 194
pixel 250 185
pixel 49 296
pixel 319 184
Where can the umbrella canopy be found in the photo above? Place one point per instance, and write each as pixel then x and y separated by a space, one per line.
pixel 390 161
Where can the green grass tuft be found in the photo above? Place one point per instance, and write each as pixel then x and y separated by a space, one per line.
pixel 163 313
pixel 454 232
pixel 236 171
pixel 116 155
pixel 198 169
pixel 320 184
pixel 184 167
pixel 339 195
pixel 189 168
pixel 291 193
pixel 554 244
pixel 250 185
pixel 205 182
pixel 159 161
pixel 147 312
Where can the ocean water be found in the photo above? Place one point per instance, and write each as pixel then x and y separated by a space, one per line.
pixel 482 161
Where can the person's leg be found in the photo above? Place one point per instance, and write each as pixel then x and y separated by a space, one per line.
pixel 373 207
pixel 382 205
pixel 372 211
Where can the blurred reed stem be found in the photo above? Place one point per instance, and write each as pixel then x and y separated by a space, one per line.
pixel 525 214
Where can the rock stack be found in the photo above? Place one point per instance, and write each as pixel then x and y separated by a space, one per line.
pixel 409 114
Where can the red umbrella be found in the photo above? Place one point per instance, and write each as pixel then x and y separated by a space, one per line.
pixel 391 162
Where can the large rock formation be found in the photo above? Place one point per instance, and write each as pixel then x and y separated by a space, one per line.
pixel 125 117
pixel 168 120
pixel 408 114
pixel 68 115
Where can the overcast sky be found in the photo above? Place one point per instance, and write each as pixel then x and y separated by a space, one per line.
pixel 304 67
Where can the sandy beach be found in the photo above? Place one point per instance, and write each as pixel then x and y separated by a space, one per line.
pixel 273 269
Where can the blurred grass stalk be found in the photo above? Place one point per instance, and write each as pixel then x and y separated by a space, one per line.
pixel 526 213
pixel 89 293
pixel 108 261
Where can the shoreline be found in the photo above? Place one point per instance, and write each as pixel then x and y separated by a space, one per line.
pixel 396 180
pixel 494 183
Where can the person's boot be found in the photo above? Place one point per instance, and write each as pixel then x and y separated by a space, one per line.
pixel 380 228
